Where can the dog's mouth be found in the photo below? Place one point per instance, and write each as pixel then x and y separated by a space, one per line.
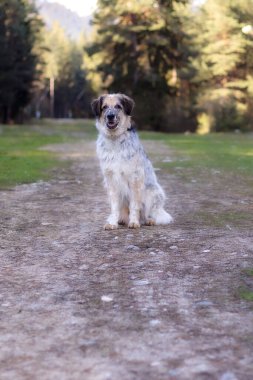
pixel 112 124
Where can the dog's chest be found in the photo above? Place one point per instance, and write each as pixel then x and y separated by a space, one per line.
pixel 118 156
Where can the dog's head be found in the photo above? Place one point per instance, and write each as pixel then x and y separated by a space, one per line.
pixel 113 113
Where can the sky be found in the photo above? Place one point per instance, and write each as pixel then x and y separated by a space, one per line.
pixel 82 7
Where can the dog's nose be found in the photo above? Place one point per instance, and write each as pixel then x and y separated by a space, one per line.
pixel 110 116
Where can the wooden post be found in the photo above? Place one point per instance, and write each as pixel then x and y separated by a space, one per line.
pixel 51 91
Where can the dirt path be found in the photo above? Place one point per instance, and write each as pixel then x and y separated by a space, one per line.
pixel 77 302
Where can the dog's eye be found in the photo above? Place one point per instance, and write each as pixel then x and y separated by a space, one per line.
pixel 104 108
pixel 118 106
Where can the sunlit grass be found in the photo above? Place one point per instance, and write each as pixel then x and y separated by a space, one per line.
pixel 228 152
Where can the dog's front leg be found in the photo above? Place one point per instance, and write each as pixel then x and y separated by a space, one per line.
pixel 135 203
pixel 113 218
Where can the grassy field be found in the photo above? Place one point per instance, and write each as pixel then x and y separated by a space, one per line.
pixel 22 161
pixel 228 152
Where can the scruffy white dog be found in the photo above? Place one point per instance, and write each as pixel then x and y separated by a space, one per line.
pixel 135 195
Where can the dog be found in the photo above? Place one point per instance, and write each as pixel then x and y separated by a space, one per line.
pixel 135 195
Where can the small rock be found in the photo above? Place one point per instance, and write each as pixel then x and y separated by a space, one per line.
pixel 132 247
pixel 206 250
pixel 87 342
pixel 154 322
pixel 167 159
pixel 204 303
pixel 56 243
pixel 84 267
pixel 155 364
pixel 103 266
pixel 141 282
pixel 228 376
pixel 107 298
pixel 174 372
pixel 116 238
pixel 173 247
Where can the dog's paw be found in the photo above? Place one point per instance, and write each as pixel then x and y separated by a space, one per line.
pixel 134 225
pixel 150 222
pixel 122 222
pixel 109 226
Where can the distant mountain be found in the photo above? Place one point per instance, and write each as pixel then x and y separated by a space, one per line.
pixel 69 21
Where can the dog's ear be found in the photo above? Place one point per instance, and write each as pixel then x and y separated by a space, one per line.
pixel 96 105
pixel 127 103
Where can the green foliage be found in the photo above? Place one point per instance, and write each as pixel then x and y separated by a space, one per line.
pixel 19 28
pixel 140 48
pixel 223 63
pixel 186 67
pixel 63 59
pixel 178 61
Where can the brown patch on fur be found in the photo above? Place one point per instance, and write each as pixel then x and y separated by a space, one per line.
pixel 96 106
pixel 112 101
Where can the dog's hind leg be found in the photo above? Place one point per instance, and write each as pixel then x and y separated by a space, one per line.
pixel 160 216
pixel 156 213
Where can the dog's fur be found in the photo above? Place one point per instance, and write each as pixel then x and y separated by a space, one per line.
pixel 135 195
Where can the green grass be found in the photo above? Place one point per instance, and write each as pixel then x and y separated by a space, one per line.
pixel 249 272
pixel 216 164
pixel 21 161
pixel 245 293
pixel 77 128
pixel 227 152
pixel 221 219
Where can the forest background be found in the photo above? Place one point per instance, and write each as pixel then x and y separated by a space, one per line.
pixel 188 66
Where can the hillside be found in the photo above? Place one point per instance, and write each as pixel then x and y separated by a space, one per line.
pixel 69 21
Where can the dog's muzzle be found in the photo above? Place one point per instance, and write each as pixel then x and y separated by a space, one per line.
pixel 111 120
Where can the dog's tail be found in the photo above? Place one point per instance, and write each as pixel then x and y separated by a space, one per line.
pixel 162 217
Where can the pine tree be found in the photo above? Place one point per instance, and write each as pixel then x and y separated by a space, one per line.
pixel 223 64
pixel 19 28
pixel 141 47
